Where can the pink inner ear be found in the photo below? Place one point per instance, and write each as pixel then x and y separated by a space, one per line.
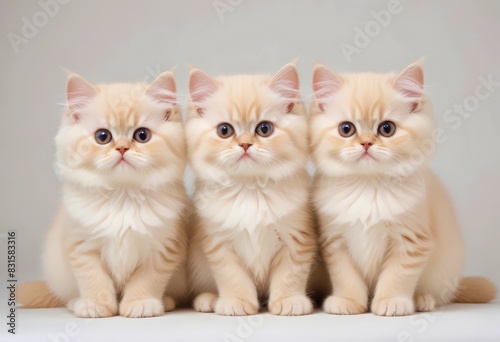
pixel 326 84
pixel 79 93
pixel 286 82
pixel 410 82
pixel 163 89
pixel 201 87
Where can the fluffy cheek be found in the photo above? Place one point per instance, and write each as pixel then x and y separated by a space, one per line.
pixel 326 148
pixel 77 149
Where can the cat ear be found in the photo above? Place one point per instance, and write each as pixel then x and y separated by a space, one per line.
pixel 201 87
pixel 163 91
pixel 326 84
pixel 79 94
pixel 285 83
pixel 410 82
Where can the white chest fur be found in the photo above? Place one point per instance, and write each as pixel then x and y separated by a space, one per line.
pixel 125 225
pixel 112 213
pixel 368 200
pixel 246 206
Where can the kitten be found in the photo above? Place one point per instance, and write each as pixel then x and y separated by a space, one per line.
pixel 119 237
pixel 247 143
pixel 388 233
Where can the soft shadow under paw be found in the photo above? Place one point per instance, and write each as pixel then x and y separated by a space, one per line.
pixel 291 306
pixel 229 306
pixel 396 306
pixel 343 306
pixel 88 308
pixel 145 307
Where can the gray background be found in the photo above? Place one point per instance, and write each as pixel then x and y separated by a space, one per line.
pixel 111 41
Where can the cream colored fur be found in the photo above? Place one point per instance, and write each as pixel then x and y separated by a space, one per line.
pixel 119 237
pixel 254 237
pixel 389 235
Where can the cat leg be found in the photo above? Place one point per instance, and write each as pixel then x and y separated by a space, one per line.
pixel 143 295
pixel 237 291
pixel 201 281
pixel 289 275
pixel 97 292
pixel 394 293
pixel 350 292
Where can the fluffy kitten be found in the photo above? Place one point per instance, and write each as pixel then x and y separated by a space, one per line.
pixel 247 143
pixel 119 237
pixel 389 235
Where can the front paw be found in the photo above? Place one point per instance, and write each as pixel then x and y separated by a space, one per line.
pixel 145 307
pixel 89 308
pixel 205 302
pixel 229 306
pixel 395 306
pixel 343 306
pixel 424 302
pixel 291 306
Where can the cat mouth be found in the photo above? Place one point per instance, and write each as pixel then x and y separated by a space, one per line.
pixel 122 161
pixel 245 156
pixel 366 156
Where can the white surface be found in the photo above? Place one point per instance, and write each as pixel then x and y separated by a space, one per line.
pixel 456 322
pixel 129 40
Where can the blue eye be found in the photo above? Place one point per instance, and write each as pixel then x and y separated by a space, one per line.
pixel 347 129
pixel 142 135
pixel 103 136
pixel 265 129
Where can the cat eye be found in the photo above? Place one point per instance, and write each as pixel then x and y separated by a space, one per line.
pixel 347 129
pixel 387 129
pixel 264 129
pixel 225 130
pixel 103 136
pixel 142 135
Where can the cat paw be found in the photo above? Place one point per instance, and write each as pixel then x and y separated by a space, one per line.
pixel 229 306
pixel 168 303
pixel 343 306
pixel 395 306
pixel 424 302
pixel 205 302
pixel 291 306
pixel 88 308
pixel 145 307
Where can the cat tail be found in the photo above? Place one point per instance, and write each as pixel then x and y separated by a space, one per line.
pixel 37 294
pixel 475 290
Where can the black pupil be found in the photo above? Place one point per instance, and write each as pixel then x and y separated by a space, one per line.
pixel 142 135
pixel 224 130
pixel 386 128
pixel 346 128
pixel 102 135
pixel 264 128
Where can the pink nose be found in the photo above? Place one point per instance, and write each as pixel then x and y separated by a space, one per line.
pixel 245 147
pixel 122 150
pixel 366 145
